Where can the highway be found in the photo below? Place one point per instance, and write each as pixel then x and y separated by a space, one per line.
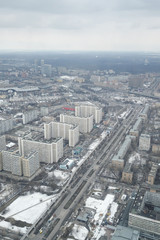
pixel 68 201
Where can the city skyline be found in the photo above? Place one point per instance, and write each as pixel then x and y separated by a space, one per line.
pixel 68 25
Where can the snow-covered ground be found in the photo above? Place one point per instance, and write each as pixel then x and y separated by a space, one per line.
pixel 113 211
pixel 101 207
pixel 61 176
pixel 9 226
pixel 29 208
pixel 79 232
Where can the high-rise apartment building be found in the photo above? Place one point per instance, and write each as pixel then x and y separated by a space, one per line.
pixel 29 116
pixel 12 163
pixel 85 123
pixel 48 151
pixel 30 164
pixel 6 125
pixel 2 143
pixel 87 110
pixel 19 166
pixel 66 131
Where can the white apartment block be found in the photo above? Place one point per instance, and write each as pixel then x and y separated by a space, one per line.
pixel 66 131
pixel 144 142
pixel 29 116
pixel 85 123
pixel 11 163
pixel 2 143
pixel 88 110
pixel 17 165
pixel 6 125
pixel 48 152
pixel 30 164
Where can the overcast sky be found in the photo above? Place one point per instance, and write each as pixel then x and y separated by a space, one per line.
pixel 110 25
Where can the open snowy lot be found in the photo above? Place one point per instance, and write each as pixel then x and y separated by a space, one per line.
pixel 29 208
pixel 79 232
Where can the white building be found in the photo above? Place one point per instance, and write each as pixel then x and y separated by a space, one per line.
pixel 49 151
pixel 11 163
pixel 29 116
pixel 66 131
pixel 144 142
pixel 6 125
pixel 17 165
pixel 2 143
pixel 86 110
pixel 85 123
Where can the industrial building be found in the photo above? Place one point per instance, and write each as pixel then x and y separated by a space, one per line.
pixel 125 233
pixel 85 123
pixel 146 216
pixel 6 125
pixel 48 151
pixel 66 131
pixel 19 166
pixel 144 142
pixel 29 116
pixel 86 110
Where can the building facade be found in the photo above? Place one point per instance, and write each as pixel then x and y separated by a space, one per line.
pixel 48 152
pixel 85 123
pixel 88 110
pixel 6 125
pixel 29 116
pixel 66 131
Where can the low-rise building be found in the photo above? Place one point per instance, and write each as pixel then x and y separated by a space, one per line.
pixel 127 174
pixel 144 142
pixel 125 233
pixel 152 174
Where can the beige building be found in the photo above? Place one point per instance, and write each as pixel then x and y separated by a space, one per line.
pixel 156 148
pixel 152 174
pixel 30 164
pixel 85 123
pixel 127 174
pixel 117 163
pixel 66 131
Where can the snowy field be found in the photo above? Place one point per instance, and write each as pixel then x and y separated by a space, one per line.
pixel 61 176
pixel 28 208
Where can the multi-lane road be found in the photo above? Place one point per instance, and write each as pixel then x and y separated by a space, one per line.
pixel 76 190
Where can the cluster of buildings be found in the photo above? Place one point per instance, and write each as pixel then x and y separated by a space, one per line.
pixel 12 162
pixel 47 146
pixel 118 161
